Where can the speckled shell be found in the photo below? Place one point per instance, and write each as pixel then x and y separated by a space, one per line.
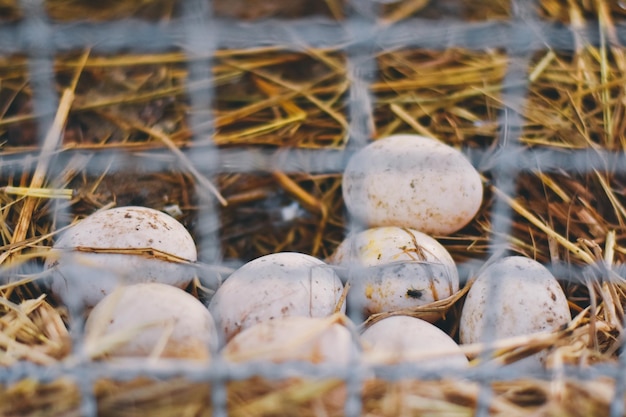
pixel 399 339
pixel 412 181
pixel 84 278
pixel 514 296
pixel 312 339
pixel 150 314
pixel 273 286
pixel 404 268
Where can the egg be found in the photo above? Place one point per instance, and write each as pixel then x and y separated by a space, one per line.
pixel 150 319
pixel 403 339
pixel 93 262
pixel 312 339
pixel 513 296
pixel 393 268
pixel 412 181
pixel 273 286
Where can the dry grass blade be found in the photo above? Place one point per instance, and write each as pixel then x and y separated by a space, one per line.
pixel 202 180
pixel 281 98
pixel 30 398
pixel 272 91
pixel 168 397
pixel 267 216
pixel 50 143
pixel 32 331
pixel 66 194
pixel 278 400
pixel 574 249
pixel 137 98
pixel 405 9
pixel 145 252
pixel 451 95
pixel 411 121
pixel 73 10
pixel 576 100
pixel 618 207
pixel 308 201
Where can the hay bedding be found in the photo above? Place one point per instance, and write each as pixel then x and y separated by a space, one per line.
pixel 135 105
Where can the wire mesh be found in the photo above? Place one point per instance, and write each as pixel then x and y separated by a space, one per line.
pixel 360 38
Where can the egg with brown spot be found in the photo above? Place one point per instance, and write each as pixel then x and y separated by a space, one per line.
pixel 513 296
pixel 120 246
pixel 393 268
pixel 273 286
pixel 412 181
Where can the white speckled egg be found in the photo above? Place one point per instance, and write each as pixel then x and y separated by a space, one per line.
pixel 412 181
pixel 151 319
pixel 398 339
pixel 396 268
pixel 273 286
pixel 312 339
pixel 513 296
pixel 82 276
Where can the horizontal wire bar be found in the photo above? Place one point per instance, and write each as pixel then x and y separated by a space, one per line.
pixel 195 371
pixel 142 36
pixel 320 161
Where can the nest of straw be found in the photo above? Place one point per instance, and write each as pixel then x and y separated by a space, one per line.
pixel 135 107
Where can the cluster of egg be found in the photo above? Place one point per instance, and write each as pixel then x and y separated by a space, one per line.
pixel 404 189
pixel 128 266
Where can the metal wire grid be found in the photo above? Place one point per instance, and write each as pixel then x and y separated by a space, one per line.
pixel 198 33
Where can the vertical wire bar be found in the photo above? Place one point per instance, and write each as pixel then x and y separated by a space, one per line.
pixel 85 382
pixel 80 367
pixel 200 41
pixel 514 96
pixel 617 408
pixel 40 65
pixel 504 178
pixel 45 102
pixel 361 63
